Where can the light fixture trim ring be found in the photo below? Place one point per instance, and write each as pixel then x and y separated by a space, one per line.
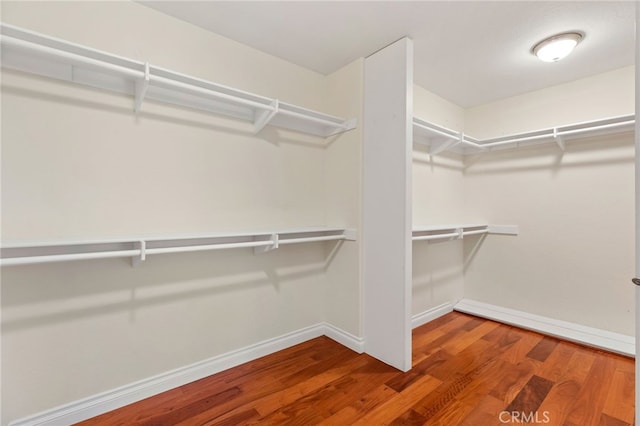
pixel 577 36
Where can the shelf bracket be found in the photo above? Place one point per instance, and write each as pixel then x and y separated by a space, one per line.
pixel 503 229
pixel 460 232
pixel 558 138
pixel 344 127
pixel 350 124
pixel 266 116
pixel 141 88
pixel 137 260
pixel 274 245
pixel 447 145
pixel 350 234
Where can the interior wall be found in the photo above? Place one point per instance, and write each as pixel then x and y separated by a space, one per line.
pixel 78 163
pixel 438 198
pixel 343 198
pixel 604 95
pixel 574 256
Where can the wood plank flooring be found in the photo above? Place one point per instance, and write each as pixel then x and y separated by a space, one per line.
pixel 466 371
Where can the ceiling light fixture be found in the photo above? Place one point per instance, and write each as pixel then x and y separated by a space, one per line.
pixel 556 47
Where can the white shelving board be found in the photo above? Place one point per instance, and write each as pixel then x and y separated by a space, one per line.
pixel 138 248
pixel 440 139
pixel 35 53
pixel 457 232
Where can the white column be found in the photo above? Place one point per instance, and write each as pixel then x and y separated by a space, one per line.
pixel 386 232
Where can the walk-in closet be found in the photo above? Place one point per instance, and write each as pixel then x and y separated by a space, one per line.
pixel 176 202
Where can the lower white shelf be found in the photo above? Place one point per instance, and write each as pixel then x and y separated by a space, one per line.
pixel 458 232
pixel 138 248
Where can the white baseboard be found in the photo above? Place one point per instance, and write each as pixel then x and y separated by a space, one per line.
pixel 107 401
pixel 603 339
pixel 431 314
pixel 352 342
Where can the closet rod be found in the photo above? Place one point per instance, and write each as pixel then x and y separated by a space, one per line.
pixel 436 236
pixel 23 253
pixel 480 231
pixel 72 58
pixel 515 140
pixel 185 249
pixel 29 260
pixel 430 129
pixel 596 128
pixel 31 52
pixel 198 90
pixel 612 124
pixel 312 239
pixel 156 80
pixel 341 126
pixel 558 132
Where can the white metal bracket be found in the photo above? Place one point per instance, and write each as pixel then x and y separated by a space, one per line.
pixel 447 145
pixel 350 234
pixel 137 260
pixel 266 116
pixel 346 126
pixel 141 88
pixel 503 229
pixel 460 232
pixel 274 245
pixel 558 138
pixel 350 124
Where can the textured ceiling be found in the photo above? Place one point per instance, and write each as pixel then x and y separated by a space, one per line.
pixel 470 53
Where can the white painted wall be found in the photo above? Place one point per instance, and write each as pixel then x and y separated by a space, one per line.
pixel 604 95
pixel 343 200
pixel 574 255
pixel 438 198
pixel 77 162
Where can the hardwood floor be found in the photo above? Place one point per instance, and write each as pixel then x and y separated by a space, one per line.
pixel 466 371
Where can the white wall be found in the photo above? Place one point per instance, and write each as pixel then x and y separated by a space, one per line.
pixel 78 163
pixel 438 198
pixel 343 200
pixel 604 95
pixel 574 256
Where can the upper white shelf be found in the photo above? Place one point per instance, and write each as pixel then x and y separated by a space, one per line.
pixel 138 248
pixel 39 54
pixel 441 139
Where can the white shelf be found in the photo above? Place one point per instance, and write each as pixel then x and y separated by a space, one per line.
pixel 39 54
pixel 138 248
pixel 458 232
pixel 441 139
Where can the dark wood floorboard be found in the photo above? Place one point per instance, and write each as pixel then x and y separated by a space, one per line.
pixel 466 371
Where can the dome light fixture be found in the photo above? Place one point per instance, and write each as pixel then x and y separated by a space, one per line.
pixel 556 47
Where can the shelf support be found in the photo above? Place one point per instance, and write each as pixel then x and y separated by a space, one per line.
pixel 503 229
pixel 350 234
pixel 141 88
pixel 345 127
pixel 275 243
pixel 446 145
pixel 137 260
pixel 266 116
pixel 558 138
